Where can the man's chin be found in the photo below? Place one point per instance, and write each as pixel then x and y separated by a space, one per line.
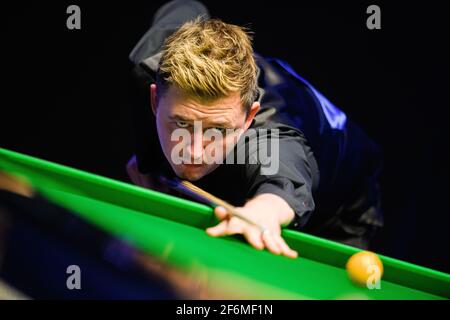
pixel 191 173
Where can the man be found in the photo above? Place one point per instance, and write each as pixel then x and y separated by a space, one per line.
pixel 201 76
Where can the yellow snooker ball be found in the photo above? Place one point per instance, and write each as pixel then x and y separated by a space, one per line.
pixel 364 266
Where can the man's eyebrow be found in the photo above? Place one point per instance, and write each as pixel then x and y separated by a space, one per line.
pixel 224 124
pixel 181 118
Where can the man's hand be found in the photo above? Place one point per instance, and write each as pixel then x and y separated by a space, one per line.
pixel 267 210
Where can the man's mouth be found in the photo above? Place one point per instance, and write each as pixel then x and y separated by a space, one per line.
pixel 193 165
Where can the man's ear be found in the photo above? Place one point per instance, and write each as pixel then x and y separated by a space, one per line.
pixel 251 114
pixel 153 98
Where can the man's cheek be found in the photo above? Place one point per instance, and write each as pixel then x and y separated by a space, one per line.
pixel 179 143
pixel 228 146
pixel 169 136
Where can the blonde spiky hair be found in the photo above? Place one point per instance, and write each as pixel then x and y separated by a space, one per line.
pixel 208 60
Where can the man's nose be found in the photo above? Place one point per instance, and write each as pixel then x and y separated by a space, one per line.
pixel 197 147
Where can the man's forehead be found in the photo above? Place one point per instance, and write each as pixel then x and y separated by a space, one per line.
pixel 224 120
pixel 221 111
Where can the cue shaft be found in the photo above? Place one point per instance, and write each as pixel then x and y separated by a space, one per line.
pixel 219 202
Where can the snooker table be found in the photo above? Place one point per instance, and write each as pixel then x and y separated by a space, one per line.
pixel 171 229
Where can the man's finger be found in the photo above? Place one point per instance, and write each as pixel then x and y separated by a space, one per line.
pixel 221 213
pixel 218 230
pixel 270 243
pixel 235 225
pixel 226 228
pixel 253 237
pixel 288 252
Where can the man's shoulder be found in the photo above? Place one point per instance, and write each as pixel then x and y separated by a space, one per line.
pixel 274 129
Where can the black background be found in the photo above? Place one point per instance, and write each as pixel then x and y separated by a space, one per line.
pixel 64 95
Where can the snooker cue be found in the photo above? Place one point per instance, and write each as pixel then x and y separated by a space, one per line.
pixel 219 202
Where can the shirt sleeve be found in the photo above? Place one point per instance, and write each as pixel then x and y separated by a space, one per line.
pixel 293 178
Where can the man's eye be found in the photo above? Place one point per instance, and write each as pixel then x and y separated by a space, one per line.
pixel 182 124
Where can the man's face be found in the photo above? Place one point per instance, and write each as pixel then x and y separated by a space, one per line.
pixel 204 123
